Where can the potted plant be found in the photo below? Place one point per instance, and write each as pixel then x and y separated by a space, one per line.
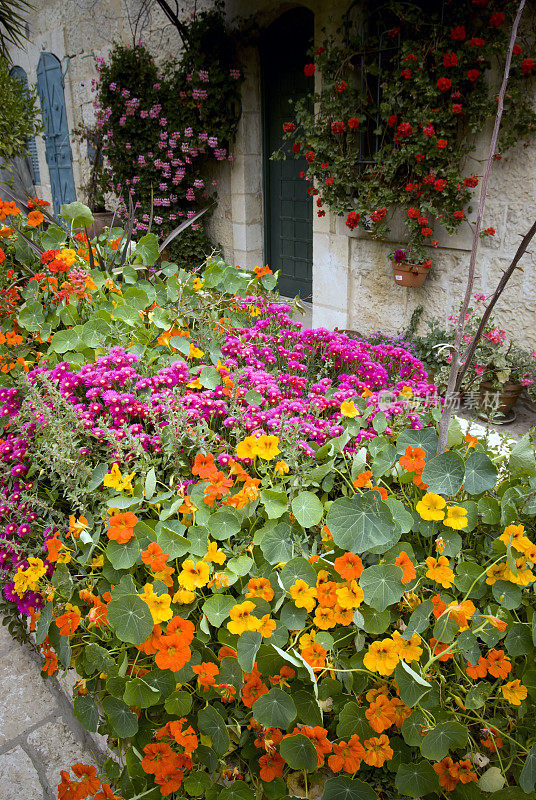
pixel 97 183
pixel 407 272
pixel 509 369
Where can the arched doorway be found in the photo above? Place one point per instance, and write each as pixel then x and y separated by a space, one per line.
pixel 57 145
pixel 288 209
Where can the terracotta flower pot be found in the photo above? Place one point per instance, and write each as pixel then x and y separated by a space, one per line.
pixel 103 219
pixel 408 274
pixel 499 401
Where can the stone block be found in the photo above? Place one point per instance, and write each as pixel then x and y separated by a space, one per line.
pixel 18 776
pixel 57 748
pixel 330 318
pixel 25 697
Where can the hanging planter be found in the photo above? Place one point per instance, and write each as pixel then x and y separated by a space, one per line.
pixel 407 273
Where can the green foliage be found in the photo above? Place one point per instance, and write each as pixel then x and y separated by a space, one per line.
pixel 20 118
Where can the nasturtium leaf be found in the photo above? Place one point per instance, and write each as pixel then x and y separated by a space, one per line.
pixel 507 594
pixel 341 788
pixel 147 249
pixel 527 779
pixel 253 398
pixel 275 709
pixel 294 618
pixel 86 712
pixel 197 783
pixel 534 629
pixel 179 703
pixel 217 608
pixel 492 780
pixel 490 510
pixel 63 341
pixel 470 578
pixel 43 623
pixel 275 503
pixel 307 509
pixel 130 619
pixel 382 585
pixel 412 728
pixel 212 724
pixel 172 542
pixel 522 461
pixel 77 214
pixel 241 565
pixel 444 737
pixel 121 718
pixel 468 645
pixel 123 556
pixel 209 377
pixel 127 314
pixel 401 515
pixel 237 790
pixel 374 622
pixel 425 438
pixel 98 659
pixel 277 545
pixel 444 473
pixel 61 645
pixel 419 620
pixel 307 707
pixel 297 569
pixel 477 695
pixel 31 317
pixel 247 648
pixel 416 780
pixel 480 473
pixel 518 640
pixel 162 680
pixel 223 524
pixel 138 693
pixel 360 522
pixel 352 721
pixel 299 752
pixel 411 691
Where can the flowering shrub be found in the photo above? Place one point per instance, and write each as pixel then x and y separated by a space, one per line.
pixel 163 127
pixel 238 534
pixel 404 92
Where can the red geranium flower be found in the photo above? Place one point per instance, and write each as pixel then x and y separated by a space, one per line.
pixel 457 34
pixel 406 74
pixel 527 65
pixel 458 215
pixel 352 220
pixel 473 75
pixel 496 20
pixel 477 42
pixel 404 129
pixel 457 108
pixel 309 70
pixel 288 127
pixel 353 122
pixel 392 120
pixel 413 213
pixel 340 87
pixel 296 147
pixel 310 156
pixel 444 84
pixel 440 184
pixel 337 127
pixel 441 144
pixel 471 181
pixel 517 50
pixel 428 130
pixel 450 60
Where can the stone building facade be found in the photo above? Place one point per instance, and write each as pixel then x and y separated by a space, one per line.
pixel 351 276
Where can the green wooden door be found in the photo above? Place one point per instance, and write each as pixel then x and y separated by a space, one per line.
pixel 288 209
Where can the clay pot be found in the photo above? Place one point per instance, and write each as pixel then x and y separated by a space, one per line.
pixel 508 397
pixel 103 219
pixel 407 274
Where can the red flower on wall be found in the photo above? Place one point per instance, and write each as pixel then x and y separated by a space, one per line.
pixel 392 120
pixel 428 130
pixel 288 127
pixel 352 220
pixel 444 84
pixel 309 70
pixel 457 108
pixel 441 144
pixel 496 20
pixel 450 60
pixel 458 34
pixel 473 75
pixel 353 123
pixel 337 127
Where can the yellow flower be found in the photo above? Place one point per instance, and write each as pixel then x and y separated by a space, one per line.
pixel 183 597
pixel 497 572
pixel 115 480
pixel 382 657
pixel 195 352
pixel 76 527
pixel 193 576
pixel 514 692
pixel 513 534
pixel 348 409
pixel 456 518
pixel 267 626
pixel 194 384
pixel 307 640
pixel 304 596
pixel 281 468
pixel 36 569
pixel 214 555
pixel 64 556
pixel 247 448
pixel 406 391
pixel 524 575
pixel 241 619
pixel 408 649
pixel 159 605
pixel 350 596
pixel 440 571
pixel 430 507
pixel 198 284
pixel 20 582
pixel 97 561
pixel 267 447
pixel 68 256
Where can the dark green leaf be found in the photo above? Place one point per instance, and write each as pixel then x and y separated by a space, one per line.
pixel 299 752
pixel 212 724
pixel 121 718
pixel 275 709
pixel 444 473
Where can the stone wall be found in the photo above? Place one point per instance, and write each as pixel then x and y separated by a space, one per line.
pixel 353 286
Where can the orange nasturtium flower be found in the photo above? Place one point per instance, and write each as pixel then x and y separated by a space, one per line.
pixel 35 218
pixel 121 527
pixel 349 566
pixel 406 565
pixel 440 571
pixel 413 459
pixel 206 673
pixel 514 692
pixel 303 595
pixel 68 621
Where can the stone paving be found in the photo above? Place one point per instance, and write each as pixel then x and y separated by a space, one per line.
pixel 39 734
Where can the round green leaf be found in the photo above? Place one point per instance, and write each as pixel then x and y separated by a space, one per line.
pixel 480 474
pixel 212 724
pixel 121 718
pixel 86 712
pixel 123 556
pixel 445 473
pixel 307 509
pixel 139 693
pixel 31 317
pixel 247 648
pixel 507 594
pixel 299 752
pixel 65 340
pixel 276 545
pixel 209 377
pixel 416 780
pixel 179 703
pixel 275 709
pixel 223 524
pixel 297 569
pixel 275 503
pixel 382 585
pixel 217 608
pixel 445 736
pixel 360 522
pixel 341 788
pixel 77 214
pixel 130 619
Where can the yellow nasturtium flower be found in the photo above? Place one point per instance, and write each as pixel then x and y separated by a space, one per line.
pixel 159 605
pixel 115 480
pixel 267 447
pixel 456 518
pixel 194 576
pixel 247 448
pixel 242 619
pixel 382 657
pixel 348 409
pixel 304 596
pixel 431 507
